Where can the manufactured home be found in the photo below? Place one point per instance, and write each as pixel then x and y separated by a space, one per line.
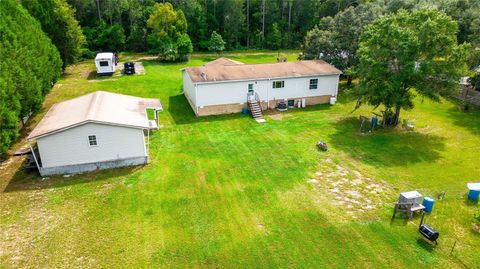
pixel 226 86
pixel 96 131
pixel 105 63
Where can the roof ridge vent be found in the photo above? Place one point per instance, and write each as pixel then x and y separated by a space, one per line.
pixel 92 109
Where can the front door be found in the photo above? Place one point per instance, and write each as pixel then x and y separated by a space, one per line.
pixel 251 92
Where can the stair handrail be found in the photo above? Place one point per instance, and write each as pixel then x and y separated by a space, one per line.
pixel 257 98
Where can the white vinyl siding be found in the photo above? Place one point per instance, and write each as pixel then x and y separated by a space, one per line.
pixel 189 88
pixel 71 146
pixel 235 92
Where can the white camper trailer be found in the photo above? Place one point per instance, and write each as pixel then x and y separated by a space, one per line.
pixel 105 63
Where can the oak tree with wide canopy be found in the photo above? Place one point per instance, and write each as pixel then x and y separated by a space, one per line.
pixel 408 54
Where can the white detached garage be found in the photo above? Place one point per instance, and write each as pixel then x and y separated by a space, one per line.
pixel 95 131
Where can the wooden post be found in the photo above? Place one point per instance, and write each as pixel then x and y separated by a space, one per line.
pixel 34 157
pixel 453 247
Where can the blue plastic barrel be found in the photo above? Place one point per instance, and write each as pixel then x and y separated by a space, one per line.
pixel 428 204
pixel 245 110
pixel 473 195
pixel 373 122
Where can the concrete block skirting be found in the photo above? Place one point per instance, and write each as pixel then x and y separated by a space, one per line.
pixel 235 108
pixel 88 167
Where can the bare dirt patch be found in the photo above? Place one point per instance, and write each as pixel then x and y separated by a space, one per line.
pixel 33 225
pixel 350 189
pixel 276 116
pixel 139 69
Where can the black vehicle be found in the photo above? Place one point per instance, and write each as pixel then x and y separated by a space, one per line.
pixel 129 68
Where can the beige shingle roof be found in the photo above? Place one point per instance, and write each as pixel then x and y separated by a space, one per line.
pixel 225 72
pixel 100 107
pixel 223 61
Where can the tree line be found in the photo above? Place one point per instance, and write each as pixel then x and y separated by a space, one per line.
pixel 269 24
pixel 30 65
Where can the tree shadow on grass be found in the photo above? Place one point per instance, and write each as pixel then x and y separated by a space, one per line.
pixel 467 120
pixel 182 113
pixel 385 147
pixel 26 181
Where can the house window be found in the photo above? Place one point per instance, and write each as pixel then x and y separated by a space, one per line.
pixel 104 63
pixel 278 84
pixel 314 84
pixel 92 140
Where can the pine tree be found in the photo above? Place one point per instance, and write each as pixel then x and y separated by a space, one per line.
pixel 216 43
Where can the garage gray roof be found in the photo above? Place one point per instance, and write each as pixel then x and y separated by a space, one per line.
pixel 99 107
pixel 224 72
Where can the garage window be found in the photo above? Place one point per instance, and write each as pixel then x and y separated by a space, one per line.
pixel 278 84
pixel 314 84
pixel 104 63
pixel 92 141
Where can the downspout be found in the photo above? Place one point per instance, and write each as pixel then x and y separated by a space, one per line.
pixel 148 145
pixel 336 87
pixel 196 95
pixel 34 157
pixel 268 95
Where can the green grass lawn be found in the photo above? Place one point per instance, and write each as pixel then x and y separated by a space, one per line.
pixel 225 191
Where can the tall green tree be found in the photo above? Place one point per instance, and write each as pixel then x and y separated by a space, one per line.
pixel 336 39
pixel 409 53
pixel 57 19
pixel 169 36
pixel 30 65
pixel 233 23
pixel 216 43
pixel 274 38
pixel 105 37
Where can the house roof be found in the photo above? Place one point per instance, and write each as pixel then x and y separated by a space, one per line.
pixel 104 55
pixel 99 107
pixel 223 61
pixel 216 71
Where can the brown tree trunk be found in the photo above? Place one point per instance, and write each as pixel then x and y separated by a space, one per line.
pixel 98 10
pixel 289 21
pixel 349 81
pixel 263 20
pixel 248 23
pixel 397 116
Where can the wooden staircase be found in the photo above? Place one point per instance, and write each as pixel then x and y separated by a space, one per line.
pixel 255 108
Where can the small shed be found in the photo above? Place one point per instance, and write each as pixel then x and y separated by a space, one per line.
pixel 96 131
pixel 105 63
